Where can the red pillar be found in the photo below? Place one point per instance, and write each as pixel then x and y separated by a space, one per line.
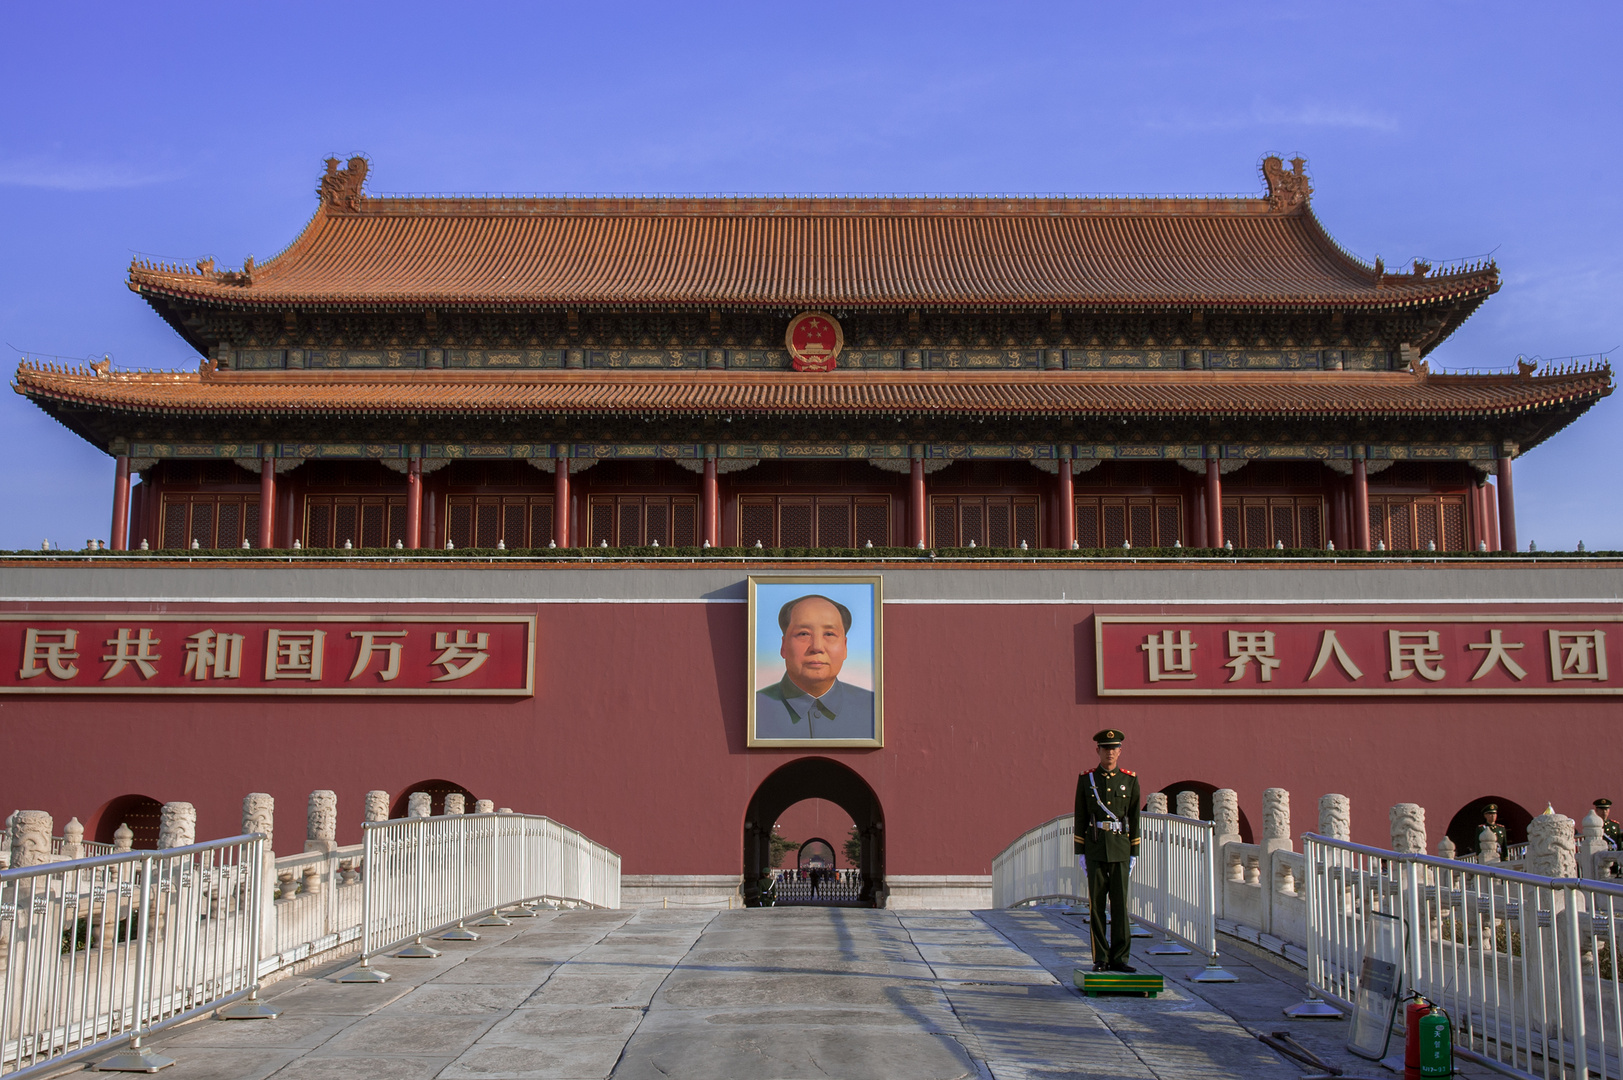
pixel 121 504
pixel 560 503
pixel 712 504
pixel 414 503
pixel 1507 507
pixel 915 501
pixel 1360 481
pixel 267 502
pixel 1214 504
pixel 1067 506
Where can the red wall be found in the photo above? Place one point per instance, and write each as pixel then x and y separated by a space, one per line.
pixel 636 737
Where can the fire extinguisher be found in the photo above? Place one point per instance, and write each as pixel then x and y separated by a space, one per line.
pixel 1416 1011
pixel 1436 1043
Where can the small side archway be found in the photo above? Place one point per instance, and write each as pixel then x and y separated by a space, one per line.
pixel 1465 826
pixel 437 791
pixel 817 778
pixel 139 812
pixel 1204 792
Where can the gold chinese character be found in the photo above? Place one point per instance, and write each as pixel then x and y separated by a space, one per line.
pixel 1330 647
pixel 221 654
pixel 462 656
pixel 1414 652
pixel 370 645
pixel 1170 658
pixel 294 654
pixel 1498 651
pixel 1578 654
pixel 137 651
pixel 1248 645
pixel 55 647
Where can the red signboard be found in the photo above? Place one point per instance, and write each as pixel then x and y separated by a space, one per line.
pixel 271 654
pixel 1184 655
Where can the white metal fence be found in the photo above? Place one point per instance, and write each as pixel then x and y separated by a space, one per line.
pixel 97 951
pixel 1525 966
pixel 423 875
pixel 1174 884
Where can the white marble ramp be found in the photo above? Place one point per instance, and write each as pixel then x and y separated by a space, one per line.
pixel 786 993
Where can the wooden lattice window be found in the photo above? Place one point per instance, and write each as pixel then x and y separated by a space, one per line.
pixel 483 521
pixel 366 521
pixel 638 520
pixel 999 521
pixel 214 521
pixel 1411 522
pixel 1265 521
pixel 1109 521
pixel 814 521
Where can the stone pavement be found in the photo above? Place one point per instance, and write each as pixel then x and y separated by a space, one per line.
pixel 762 994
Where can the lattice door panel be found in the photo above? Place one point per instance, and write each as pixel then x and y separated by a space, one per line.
pixel 637 520
pixel 1108 521
pixel 1411 522
pixel 1265 522
pixel 484 521
pixel 989 521
pixel 214 521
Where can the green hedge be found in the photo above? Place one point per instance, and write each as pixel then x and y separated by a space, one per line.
pixel 734 554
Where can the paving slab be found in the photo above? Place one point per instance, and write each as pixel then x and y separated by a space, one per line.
pixel 761 994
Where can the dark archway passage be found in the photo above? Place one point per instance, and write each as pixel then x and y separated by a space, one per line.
pixel 816 778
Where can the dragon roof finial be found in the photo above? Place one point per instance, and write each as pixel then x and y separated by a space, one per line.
pixel 341 188
pixel 1287 188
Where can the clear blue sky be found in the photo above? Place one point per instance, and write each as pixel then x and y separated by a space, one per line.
pixel 1442 130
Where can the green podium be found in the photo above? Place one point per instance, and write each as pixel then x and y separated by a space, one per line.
pixel 1093 983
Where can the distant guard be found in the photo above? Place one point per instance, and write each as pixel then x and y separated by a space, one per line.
pixel 1609 828
pixel 1490 819
pixel 1106 837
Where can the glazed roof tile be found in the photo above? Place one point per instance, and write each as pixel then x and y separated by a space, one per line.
pixel 1296 394
pixel 813 252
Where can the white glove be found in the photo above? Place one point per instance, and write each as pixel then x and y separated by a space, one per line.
pixel 1082 863
pixel 1132 861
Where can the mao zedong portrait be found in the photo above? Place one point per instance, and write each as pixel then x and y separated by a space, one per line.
pixel 810 701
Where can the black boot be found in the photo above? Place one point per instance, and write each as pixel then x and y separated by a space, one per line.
pixel 1123 967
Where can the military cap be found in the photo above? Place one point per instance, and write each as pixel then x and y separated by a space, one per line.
pixel 1491 808
pixel 1109 737
pixel 1603 804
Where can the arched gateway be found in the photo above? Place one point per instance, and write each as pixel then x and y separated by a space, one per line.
pixel 817 778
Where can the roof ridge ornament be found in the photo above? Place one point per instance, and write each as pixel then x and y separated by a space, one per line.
pixel 341 188
pixel 1287 189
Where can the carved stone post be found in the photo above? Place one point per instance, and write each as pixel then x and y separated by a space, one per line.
pixel 259 816
pixel 1487 846
pixel 377 806
pixel 1594 840
pixel 123 838
pixel 1157 802
pixel 1445 848
pixel 1189 804
pixel 322 834
pixel 177 825
pixel 1276 819
pixel 30 838
pixel 1551 847
pixel 1335 817
pixel 454 803
pixel 1409 828
pixel 1225 817
pixel 484 806
pixel 73 840
pixel 419 804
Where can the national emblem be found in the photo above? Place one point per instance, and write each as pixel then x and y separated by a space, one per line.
pixel 814 341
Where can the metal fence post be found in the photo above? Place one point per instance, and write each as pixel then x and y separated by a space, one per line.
pixel 495 918
pixel 371 880
pixel 1313 1007
pixel 1572 941
pixel 137 1058
pixel 417 950
pixel 1213 972
pixel 1169 945
pixel 252 1008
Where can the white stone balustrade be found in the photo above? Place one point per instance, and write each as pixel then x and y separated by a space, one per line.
pixel 322 831
pixel 377 806
pixel 1156 802
pixel 1188 804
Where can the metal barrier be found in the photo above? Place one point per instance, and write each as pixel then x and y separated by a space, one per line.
pixel 426 875
pixel 98 951
pixel 1174 885
pixel 317 906
pixel 833 887
pixel 1525 966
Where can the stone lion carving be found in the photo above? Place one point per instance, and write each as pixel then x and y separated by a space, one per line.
pixel 30 838
pixel 377 806
pixel 1552 850
pixel 177 825
pixel 323 817
pixel 419 804
pixel 1189 804
pixel 1157 802
pixel 454 803
pixel 259 815
pixel 1226 813
pixel 1335 817
pixel 1409 828
pixel 1276 814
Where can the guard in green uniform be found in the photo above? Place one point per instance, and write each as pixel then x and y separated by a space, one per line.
pixel 1609 828
pixel 1106 836
pixel 1490 818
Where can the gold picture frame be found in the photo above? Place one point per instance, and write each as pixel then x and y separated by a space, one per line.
pixel 781 712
